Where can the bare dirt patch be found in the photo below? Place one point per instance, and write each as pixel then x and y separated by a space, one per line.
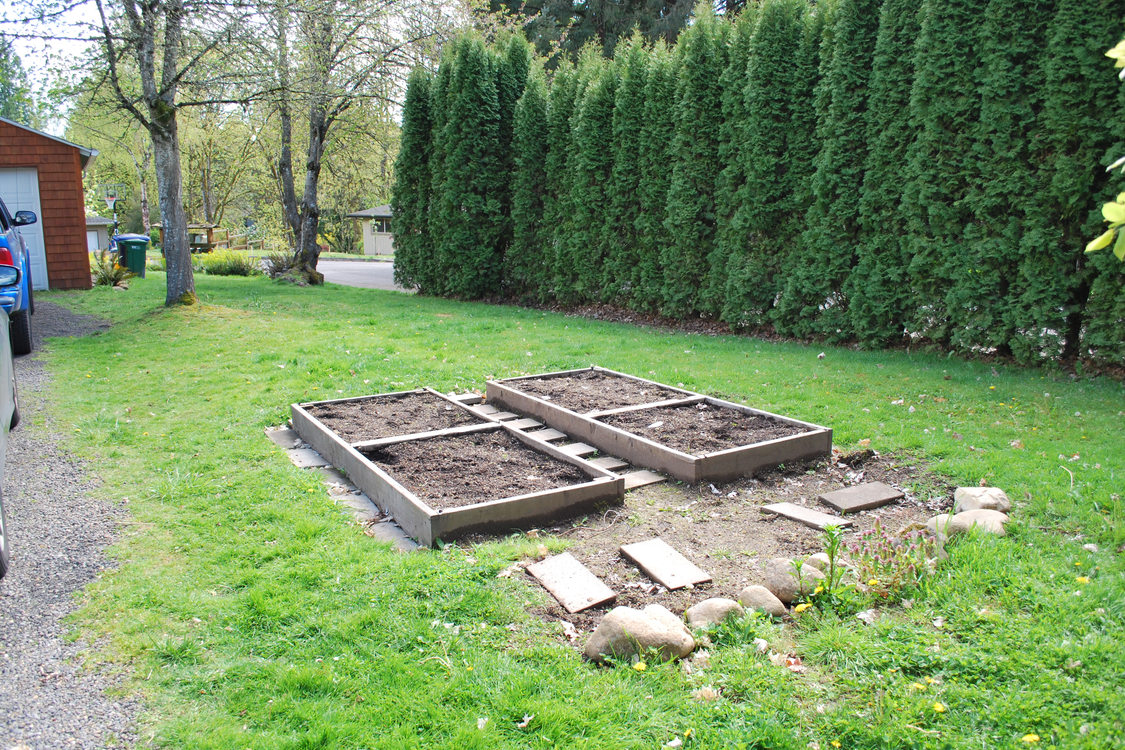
pixel 701 428
pixel 592 390
pixel 721 528
pixel 456 470
pixel 389 415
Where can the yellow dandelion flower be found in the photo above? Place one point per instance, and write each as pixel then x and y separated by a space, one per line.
pixel 939 708
pixel 929 680
pixel 818 590
pixel 801 608
pixel 873 582
pixel 1082 579
pixel 835 743
pixel 918 686
pixel 991 387
pixel 1030 738
pixel 640 666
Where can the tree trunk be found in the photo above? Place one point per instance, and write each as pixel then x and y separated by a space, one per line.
pixel 173 218
pixel 308 251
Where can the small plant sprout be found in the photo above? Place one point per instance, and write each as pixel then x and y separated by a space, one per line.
pixel 891 565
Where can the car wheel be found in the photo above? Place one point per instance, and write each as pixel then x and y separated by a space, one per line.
pixel 21 332
pixel 3 539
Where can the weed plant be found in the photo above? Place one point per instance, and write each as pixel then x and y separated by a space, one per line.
pixel 889 565
pixel 227 263
pixel 106 271
pixel 247 610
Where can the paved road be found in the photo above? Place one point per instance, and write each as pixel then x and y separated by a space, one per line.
pixel 366 274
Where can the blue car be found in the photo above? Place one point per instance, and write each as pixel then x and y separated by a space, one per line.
pixel 16 298
pixel 9 408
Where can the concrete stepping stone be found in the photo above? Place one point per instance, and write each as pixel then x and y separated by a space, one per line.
pixel 663 564
pixel 860 497
pixel 283 437
pixel 485 409
pixel 578 449
pixel 389 531
pixel 641 478
pixel 524 424
pixel 306 458
pixel 571 582
pixel 504 416
pixel 547 435
pixel 468 399
pixel 807 516
pixel 609 463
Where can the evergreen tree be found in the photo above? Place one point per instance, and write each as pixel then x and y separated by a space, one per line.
pixel 557 208
pixel 691 221
pixel 652 190
pixel 410 197
pixel 621 273
pixel 943 110
pixel 1009 80
pixel 731 178
pixel 511 78
pixel 469 202
pixel 877 289
pixel 523 263
pixel 432 276
pixel 591 166
pixel 1081 132
pixel 765 202
pixel 812 300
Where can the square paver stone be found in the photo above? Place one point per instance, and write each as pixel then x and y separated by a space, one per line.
pixel 663 564
pixel 807 516
pixel 571 582
pixel 860 497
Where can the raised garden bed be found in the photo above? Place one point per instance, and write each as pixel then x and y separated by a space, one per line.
pixel 391 415
pixel 693 438
pixel 594 389
pixel 444 483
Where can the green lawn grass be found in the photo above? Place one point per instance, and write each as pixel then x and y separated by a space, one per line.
pixel 252 613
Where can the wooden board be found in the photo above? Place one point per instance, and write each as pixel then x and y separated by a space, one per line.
pixel 663 564
pixel 641 478
pixel 524 424
pixel 807 516
pixel 571 582
pixel 860 497
pixel 578 449
pixel 609 463
pixel 547 435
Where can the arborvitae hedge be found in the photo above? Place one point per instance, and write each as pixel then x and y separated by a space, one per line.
pixel 812 299
pixel 876 171
pixel 690 218
pixel 876 288
pixel 523 277
pixel 410 203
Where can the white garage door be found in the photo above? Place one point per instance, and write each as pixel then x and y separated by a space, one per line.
pixel 20 190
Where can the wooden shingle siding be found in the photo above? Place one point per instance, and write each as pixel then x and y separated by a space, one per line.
pixel 60 198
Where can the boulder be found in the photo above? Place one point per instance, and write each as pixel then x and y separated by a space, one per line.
pixel 980 498
pixel 781 579
pixel 627 632
pixel 760 598
pixel 819 561
pixel 711 612
pixel 988 521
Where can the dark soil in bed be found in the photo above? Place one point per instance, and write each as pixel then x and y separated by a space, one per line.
pixel 594 390
pixel 390 415
pixel 456 470
pixel 701 428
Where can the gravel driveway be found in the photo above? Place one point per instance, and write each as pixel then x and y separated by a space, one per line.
pixel 59 534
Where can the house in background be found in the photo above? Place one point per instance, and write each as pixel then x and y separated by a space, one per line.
pixel 376 222
pixel 97 233
pixel 42 173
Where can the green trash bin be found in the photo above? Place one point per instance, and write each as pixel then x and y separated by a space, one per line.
pixel 131 252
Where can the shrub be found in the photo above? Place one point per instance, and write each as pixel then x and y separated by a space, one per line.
pixel 227 263
pixel 106 271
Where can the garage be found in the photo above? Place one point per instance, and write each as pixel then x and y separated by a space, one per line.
pixel 42 173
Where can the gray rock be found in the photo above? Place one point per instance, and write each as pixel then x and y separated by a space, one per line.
pixel 819 561
pixel 781 579
pixel 711 612
pixel 978 498
pixel 988 521
pixel 626 632
pixel 760 598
